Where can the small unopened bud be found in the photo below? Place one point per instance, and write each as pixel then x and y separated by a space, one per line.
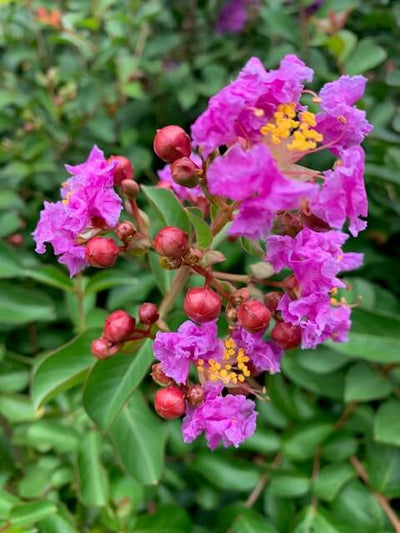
pixel 170 403
pixel 16 240
pixel 148 313
pixel 125 230
pixel 123 170
pixel 130 188
pixel 171 242
pixel 138 245
pixel 286 335
pixel 159 376
pixel 195 395
pixel 185 172
pixel 101 252
pixel 171 143
pixel 272 299
pixel 240 296
pixel 202 304
pixel 102 348
pixel 118 326
pixel 253 316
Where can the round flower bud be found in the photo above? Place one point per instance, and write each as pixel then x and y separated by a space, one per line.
pixel 202 304
pixel 272 299
pixel 125 230
pixel 171 242
pixel 16 240
pixel 195 395
pixel 185 172
pixel 171 143
pixel 253 316
pixel 123 169
pixel 118 326
pixel 170 403
pixel 159 376
pixel 102 348
pixel 148 313
pixel 286 335
pixel 130 188
pixel 101 252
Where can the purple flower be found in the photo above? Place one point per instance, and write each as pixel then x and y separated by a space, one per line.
pixel 183 193
pixel 87 195
pixel 343 193
pixel 340 122
pixel 315 258
pixel 242 107
pixel 230 419
pixel 253 178
pixel 264 356
pixel 177 350
pixel 233 15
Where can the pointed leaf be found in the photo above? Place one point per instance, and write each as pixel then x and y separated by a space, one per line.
pixel 168 207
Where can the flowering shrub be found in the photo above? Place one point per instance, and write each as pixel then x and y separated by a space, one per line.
pixel 257 188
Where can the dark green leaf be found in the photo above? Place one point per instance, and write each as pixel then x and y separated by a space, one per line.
pixel 168 207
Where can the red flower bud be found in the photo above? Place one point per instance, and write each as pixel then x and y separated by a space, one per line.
pixel 123 169
pixel 16 240
pixel 125 230
pixel 286 335
pixel 185 172
pixel 148 313
pixel 171 143
pixel 195 395
pixel 101 252
pixel 272 299
pixel 159 376
pixel 102 348
pixel 170 402
pixel 253 316
pixel 202 304
pixel 171 242
pixel 130 188
pixel 118 326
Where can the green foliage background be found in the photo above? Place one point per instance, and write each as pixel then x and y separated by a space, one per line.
pixel 326 455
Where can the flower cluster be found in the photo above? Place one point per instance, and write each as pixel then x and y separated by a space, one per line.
pixel 242 169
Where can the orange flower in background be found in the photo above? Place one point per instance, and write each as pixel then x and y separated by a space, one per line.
pixel 51 18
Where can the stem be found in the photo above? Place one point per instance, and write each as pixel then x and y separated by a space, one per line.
pixel 251 500
pixel 137 217
pixel 178 283
pixel 81 307
pixel 241 278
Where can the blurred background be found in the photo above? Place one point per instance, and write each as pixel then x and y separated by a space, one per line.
pixel 326 456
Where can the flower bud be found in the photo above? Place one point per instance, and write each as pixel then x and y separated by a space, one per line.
pixel 101 252
pixel 170 403
pixel 171 242
pixel 253 316
pixel 195 395
pixel 185 172
pixel 16 240
pixel 123 170
pixel 125 230
pixel 286 335
pixel 148 313
pixel 159 376
pixel 240 296
pixel 171 143
pixel 202 304
pixel 102 348
pixel 272 299
pixel 130 188
pixel 118 326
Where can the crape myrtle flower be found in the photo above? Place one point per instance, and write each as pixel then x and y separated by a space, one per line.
pixel 230 419
pixel 264 355
pixel 234 14
pixel 87 196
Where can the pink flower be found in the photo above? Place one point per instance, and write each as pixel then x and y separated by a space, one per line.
pixel 230 419
pixel 343 193
pixel 264 356
pixel 253 178
pixel 177 350
pixel 87 195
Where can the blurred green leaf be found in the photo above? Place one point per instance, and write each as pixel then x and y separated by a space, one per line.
pixel 366 56
pixel 387 423
pixel 202 229
pixel 223 472
pixel 289 485
pixel 92 479
pixel 363 383
pixel 52 276
pixel 19 305
pixel 331 479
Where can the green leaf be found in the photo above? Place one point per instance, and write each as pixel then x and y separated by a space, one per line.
pixel 168 207
pixel 322 360
pixel 9 263
pixel 108 279
pixel 223 472
pixel 111 383
pixel 370 347
pixel 363 383
pixel 92 480
pixel 14 376
pixel 37 478
pixel 202 229
pixel 301 445
pixel 17 409
pixel 289 485
pixel 139 437
pixel 387 423
pixel 383 467
pixel 366 56
pixel 7 502
pixel 249 521
pixel 47 434
pixel 19 305
pixel 52 276
pixel 161 275
pixel 166 519
pixel 29 513
pixel 331 479
pixel 64 368
pixel 339 446
pixel 263 441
